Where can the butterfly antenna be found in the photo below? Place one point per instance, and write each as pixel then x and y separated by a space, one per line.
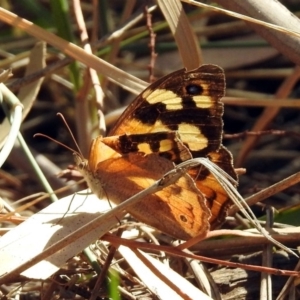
pixel 55 141
pixel 71 133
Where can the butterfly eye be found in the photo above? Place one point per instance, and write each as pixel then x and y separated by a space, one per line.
pixel 194 89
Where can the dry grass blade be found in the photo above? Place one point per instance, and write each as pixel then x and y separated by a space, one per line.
pixel 268 192
pixel 160 279
pixel 288 285
pixel 118 76
pixel 176 252
pixel 281 28
pixel 27 95
pixel 4 75
pixel 51 227
pixel 244 17
pixel 248 241
pixel 37 61
pixel 182 32
pixel 268 115
pixel 280 103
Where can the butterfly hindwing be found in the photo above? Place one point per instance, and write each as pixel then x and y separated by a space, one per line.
pixel 178 209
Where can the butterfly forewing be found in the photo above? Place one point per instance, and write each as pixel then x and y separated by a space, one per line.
pixel 186 102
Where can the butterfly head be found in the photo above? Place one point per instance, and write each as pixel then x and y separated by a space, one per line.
pixel 81 162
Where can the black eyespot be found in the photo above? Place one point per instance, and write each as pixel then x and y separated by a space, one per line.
pixel 194 89
pixel 183 218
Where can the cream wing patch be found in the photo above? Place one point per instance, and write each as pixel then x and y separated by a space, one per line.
pixel 135 125
pixel 169 98
pixel 145 148
pixel 203 101
pixel 192 137
pixel 165 145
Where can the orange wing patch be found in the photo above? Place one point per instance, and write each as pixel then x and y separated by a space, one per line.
pixel 179 210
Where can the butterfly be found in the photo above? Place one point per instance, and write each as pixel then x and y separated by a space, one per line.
pixel 176 118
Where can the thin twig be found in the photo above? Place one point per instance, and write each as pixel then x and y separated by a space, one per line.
pixel 151 44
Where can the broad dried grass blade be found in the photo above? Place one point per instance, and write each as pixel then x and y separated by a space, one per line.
pixel 48 227
pixel 28 93
pixel 183 33
pixel 116 75
pixel 154 283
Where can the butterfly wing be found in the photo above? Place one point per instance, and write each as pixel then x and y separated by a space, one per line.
pixel 217 198
pixel 184 101
pixel 178 209
pixel 188 103
pixel 166 144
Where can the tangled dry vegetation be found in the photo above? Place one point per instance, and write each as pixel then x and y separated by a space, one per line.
pixel 106 54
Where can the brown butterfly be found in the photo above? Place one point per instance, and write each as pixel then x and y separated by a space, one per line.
pixel 176 118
